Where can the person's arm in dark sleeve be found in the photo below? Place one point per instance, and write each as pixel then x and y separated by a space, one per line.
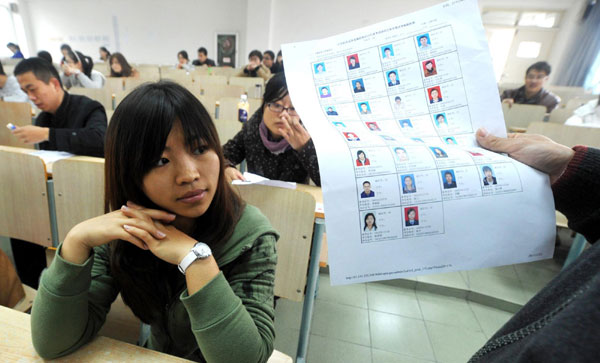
pixel 576 192
pixel 88 140
pixel 234 150
pixel 308 158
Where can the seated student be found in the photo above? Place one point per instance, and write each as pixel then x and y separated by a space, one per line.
pixel 10 91
pixel 104 54
pixel 533 92
pixel 71 123
pixel 203 59
pixel 489 178
pixel 279 62
pixel 269 61
pixel 255 68
pixel 45 55
pixel 273 141
pixel 188 256
pixel 587 115
pixel 16 50
pixel 64 49
pixel 183 61
pixel 119 67
pixel 11 290
pixel 367 192
pixel 564 314
pixel 449 181
pixel 411 221
pixel 78 72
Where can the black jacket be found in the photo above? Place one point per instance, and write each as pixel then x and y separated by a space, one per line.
pixel 78 126
pixel 562 322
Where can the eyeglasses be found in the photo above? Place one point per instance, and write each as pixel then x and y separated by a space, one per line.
pixel 277 108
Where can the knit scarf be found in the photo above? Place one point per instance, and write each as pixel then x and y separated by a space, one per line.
pixel 276 147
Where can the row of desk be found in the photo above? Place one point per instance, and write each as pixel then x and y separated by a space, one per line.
pixel 42 202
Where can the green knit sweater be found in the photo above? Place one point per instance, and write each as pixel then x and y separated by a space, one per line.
pixel 228 320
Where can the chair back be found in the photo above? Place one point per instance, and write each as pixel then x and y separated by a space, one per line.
pixel 522 115
pixel 567 135
pixel 255 86
pixel 17 113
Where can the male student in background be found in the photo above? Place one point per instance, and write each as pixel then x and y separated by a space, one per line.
pixel 255 68
pixel 203 59
pixel 533 92
pixel 71 123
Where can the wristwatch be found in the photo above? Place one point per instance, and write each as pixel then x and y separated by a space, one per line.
pixel 200 251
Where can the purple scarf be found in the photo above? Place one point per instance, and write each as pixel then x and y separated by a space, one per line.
pixel 276 147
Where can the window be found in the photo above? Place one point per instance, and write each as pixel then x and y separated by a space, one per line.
pixel 7 32
pixel 543 20
pixel 521 18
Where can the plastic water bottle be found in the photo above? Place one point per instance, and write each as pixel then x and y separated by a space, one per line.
pixel 217 108
pixel 243 109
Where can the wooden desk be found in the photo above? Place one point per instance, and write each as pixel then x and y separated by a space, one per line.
pixel 15 345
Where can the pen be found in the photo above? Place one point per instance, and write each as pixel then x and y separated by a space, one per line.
pixel 10 126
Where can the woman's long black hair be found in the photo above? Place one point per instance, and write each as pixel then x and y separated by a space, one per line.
pixel 135 140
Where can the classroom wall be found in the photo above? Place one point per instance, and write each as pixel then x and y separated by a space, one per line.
pixel 146 31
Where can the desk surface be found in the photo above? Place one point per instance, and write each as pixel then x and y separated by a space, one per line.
pixel 15 345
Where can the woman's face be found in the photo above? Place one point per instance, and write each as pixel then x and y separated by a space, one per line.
pixel 73 63
pixel 361 156
pixel 116 66
pixel 64 52
pixel 181 59
pixel 274 121
pixel 434 94
pixel 103 54
pixel 183 181
pixel 441 120
pixel 401 154
pixel 370 220
pixel 408 182
pixel 411 215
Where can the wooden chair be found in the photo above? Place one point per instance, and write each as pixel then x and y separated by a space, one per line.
pixel 521 116
pixel 225 71
pixel 561 114
pixel 115 84
pixel 17 113
pixel 148 72
pixel 255 86
pixel 292 214
pixel 229 107
pixel 223 90
pixel 103 68
pixel 78 191
pixel 566 93
pixel 102 95
pixel 227 129
pixel 209 102
pixel 24 212
pixel 567 135
pixel 205 82
pixel 129 83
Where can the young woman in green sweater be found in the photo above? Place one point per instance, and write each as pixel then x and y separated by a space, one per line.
pixel 186 254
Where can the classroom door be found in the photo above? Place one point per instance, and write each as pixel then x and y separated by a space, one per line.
pixel 529 45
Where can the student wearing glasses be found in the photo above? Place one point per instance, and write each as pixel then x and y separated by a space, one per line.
pixel 274 142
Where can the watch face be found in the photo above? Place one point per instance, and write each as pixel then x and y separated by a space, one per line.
pixel 201 250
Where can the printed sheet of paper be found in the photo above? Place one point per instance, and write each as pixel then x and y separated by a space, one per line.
pixel 393 109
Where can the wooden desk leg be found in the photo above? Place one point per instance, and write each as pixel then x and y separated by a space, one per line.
pixel 311 289
pixel 52 210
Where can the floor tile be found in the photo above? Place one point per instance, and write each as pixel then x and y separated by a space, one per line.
pixel 398 334
pixel 507 271
pixel 452 344
pixel 497 286
pixel 341 322
pixel 393 300
pixel 490 319
pixel 381 356
pixel 449 279
pixel 447 310
pixel 534 274
pixel 288 314
pixel 353 295
pixel 328 350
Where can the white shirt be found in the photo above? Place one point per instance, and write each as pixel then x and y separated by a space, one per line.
pixel 79 79
pixel 587 115
pixel 11 92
